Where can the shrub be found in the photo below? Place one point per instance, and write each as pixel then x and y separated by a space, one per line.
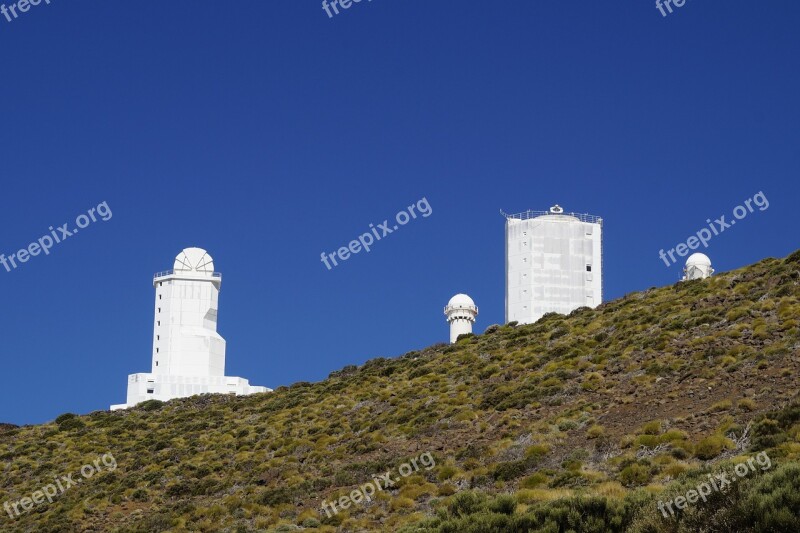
pixel 466 503
pixel 537 451
pixel 273 497
pixel 724 405
pixel 150 405
pixel 746 404
pixel 69 422
pixel 710 447
pixel 503 504
pixel 533 481
pixel 464 336
pixel 448 489
pixel 311 523
pixel 793 258
pixel 512 469
pixel 773 503
pixel 651 428
pixel 66 416
pixel 635 474
pixel 595 431
pixel 445 472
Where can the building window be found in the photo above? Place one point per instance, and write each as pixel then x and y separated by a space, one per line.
pixel 156 363
pixel 588 268
pixel 156 350
pixel 159 322
pixel 158 337
pixel 150 391
pixel 159 296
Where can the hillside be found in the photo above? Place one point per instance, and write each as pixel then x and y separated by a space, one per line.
pixel 581 422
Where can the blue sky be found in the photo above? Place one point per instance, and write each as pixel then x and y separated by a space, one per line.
pixel 267 133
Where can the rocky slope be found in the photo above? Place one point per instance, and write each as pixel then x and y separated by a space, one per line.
pixel 579 422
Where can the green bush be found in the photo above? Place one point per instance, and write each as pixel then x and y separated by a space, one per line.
pixel 773 502
pixel 635 474
pixel 150 405
pixel 273 497
pixel 63 418
pixel 68 422
pixel 711 447
pixel 466 503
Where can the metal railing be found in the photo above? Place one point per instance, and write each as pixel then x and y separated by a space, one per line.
pixel 526 215
pixel 171 272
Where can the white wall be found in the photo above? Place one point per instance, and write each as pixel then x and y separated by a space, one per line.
pixel 143 387
pixel 185 338
pixel 546 266
pixel 459 326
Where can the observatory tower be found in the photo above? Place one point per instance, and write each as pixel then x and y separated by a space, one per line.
pixel 698 266
pixel 554 263
pixel 461 312
pixel 188 353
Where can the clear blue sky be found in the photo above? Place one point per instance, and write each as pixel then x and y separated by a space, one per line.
pixel 268 133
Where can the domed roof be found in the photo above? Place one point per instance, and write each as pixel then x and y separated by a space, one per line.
pixel 698 259
pixel 461 300
pixel 193 260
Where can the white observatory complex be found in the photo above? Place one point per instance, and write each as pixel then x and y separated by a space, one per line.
pixel 188 353
pixel 554 263
pixel 698 266
pixel 461 312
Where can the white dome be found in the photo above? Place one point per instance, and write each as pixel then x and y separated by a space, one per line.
pixel 698 259
pixel 194 260
pixel 461 300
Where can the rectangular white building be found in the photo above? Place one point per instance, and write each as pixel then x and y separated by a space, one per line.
pixel 188 353
pixel 554 263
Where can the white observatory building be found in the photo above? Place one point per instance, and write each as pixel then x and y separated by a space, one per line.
pixel 698 266
pixel 461 312
pixel 554 263
pixel 188 353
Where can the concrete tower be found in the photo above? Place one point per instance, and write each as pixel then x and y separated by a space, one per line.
pixel 554 263
pixel 188 353
pixel 461 312
pixel 698 266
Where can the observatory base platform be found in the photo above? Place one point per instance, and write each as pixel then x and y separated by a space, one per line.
pixel 143 387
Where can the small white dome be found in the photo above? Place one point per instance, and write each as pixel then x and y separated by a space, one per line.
pixel 698 259
pixel 461 300
pixel 193 260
